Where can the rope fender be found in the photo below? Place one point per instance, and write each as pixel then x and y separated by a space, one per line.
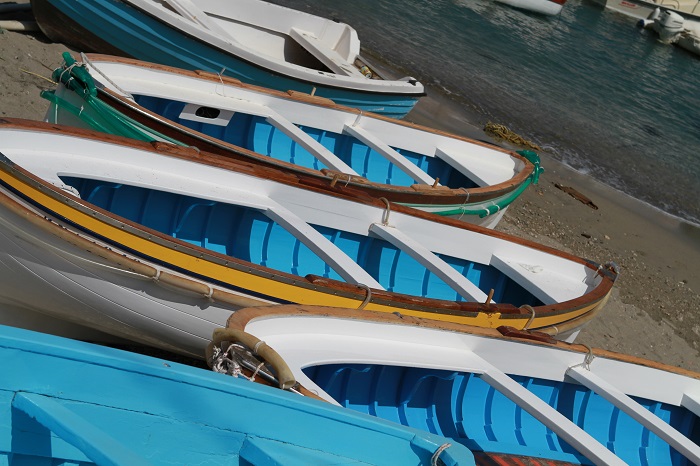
pixel 260 348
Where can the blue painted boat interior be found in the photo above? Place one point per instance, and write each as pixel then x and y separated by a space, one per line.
pixel 90 404
pixel 256 134
pixel 464 407
pixel 249 235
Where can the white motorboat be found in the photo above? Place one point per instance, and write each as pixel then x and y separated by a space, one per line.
pixel 643 9
pixel 673 28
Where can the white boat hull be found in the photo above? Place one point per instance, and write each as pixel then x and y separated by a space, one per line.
pixel 689 42
pixel 641 9
pixel 544 7
pixel 45 274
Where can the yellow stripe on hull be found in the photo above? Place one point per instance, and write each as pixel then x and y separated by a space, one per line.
pixel 256 284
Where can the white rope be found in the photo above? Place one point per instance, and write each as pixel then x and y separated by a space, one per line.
pixel 209 293
pixel 358 118
pixel 257 369
pixel 222 364
pixel 68 69
pixel 588 359
pixel 610 266
pixel 532 317
pixel 88 62
pixel 436 455
pixel 368 297
pixel 463 207
pixel 225 362
pixel 223 86
pixel 387 211
pixel 257 346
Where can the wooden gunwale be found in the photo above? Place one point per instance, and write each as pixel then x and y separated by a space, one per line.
pixel 427 307
pixel 241 318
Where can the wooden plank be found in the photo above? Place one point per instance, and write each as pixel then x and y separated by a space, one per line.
pixel 326 55
pixel 545 285
pixel 323 247
pixel 316 149
pixel 429 260
pixel 691 403
pixel 459 162
pixel 96 444
pixel 579 439
pixel 638 412
pixel 189 10
pixel 387 152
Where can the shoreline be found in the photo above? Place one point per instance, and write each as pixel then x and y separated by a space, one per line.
pixel 654 311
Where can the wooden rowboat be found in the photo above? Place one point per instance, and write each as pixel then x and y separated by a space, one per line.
pixel 533 396
pixel 251 40
pixel 160 244
pixel 409 164
pixel 70 402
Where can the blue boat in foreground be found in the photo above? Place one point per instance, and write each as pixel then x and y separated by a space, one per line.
pixel 70 402
pixel 251 40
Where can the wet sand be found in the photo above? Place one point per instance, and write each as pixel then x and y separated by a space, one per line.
pixel 655 308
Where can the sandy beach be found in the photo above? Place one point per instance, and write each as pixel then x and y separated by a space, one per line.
pixel 655 308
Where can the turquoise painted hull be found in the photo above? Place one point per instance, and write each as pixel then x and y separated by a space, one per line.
pixel 133 33
pixel 68 402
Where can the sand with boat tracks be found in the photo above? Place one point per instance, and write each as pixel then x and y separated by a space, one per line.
pixel 655 308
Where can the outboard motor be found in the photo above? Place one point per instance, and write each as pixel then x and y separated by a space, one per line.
pixel 649 22
pixel 668 25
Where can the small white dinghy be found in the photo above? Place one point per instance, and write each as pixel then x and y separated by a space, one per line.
pixel 527 396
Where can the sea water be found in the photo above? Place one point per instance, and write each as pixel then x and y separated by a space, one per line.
pixel 598 93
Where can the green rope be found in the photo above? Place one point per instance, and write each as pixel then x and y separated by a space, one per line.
pixel 534 159
pixel 94 112
pixel 482 212
pixel 490 210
